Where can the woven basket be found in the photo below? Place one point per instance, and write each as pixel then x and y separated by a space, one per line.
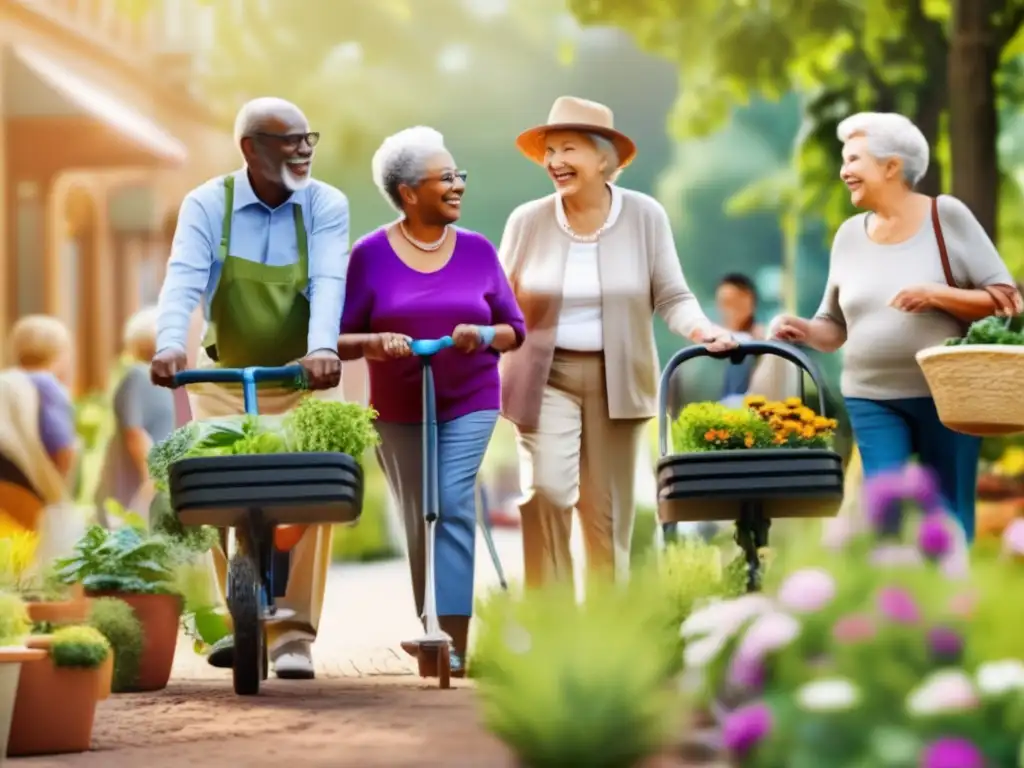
pixel 977 387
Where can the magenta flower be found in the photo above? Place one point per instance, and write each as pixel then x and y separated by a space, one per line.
pixel 855 628
pixel 883 503
pixel 952 752
pixel 898 605
pixel 746 672
pixel 934 537
pixel 920 486
pixel 746 727
pixel 946 644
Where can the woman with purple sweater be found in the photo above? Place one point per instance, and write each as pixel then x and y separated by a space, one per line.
pixel 421 277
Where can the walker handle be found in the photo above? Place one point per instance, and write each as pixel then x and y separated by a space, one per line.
pixel 247 377
pixel 430 347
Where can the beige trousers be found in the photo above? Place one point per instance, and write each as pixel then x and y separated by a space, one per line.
pixel 311 557
pixel 577 458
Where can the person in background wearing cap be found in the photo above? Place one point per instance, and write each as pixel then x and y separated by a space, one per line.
pixel 590 265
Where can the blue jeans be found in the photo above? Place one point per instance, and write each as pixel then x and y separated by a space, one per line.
pixel 890 432
pixel 462 443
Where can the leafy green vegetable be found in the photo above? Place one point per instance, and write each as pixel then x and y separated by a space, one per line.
pixel 321 426
pixel 992 330
pixel 124 560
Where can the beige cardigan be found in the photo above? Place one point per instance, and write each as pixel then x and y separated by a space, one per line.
pixel 640 275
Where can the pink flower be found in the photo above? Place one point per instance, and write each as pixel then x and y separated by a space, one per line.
pixel 855 628
pixel 837 532
pixel 747 727
pixel 1013 538
pixel 768 633
pixel 898 605
pixel 807 591
pixel 945 691
pixel 746 673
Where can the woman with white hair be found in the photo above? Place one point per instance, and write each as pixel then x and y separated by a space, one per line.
pixel 143 414
pixel 908 273
pixel 590 265
pixel 421 277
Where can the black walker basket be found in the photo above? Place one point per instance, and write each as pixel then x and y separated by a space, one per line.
pixel 749 486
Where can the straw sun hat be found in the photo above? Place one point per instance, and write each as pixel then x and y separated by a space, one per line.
pixel 571 114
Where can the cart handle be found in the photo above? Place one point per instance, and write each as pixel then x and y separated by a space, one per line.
pixel 430 347
pixel 737 355
pixel 247 377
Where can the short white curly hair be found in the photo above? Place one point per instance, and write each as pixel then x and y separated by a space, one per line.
pixel 402 158
pixel 890 135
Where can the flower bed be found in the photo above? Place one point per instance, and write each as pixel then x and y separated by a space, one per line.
pixel 760 423
pixel 876 648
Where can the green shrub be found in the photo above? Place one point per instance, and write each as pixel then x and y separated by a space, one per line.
pixel 713 426
pixel 565 684
pixel 369 539
pixel 79 647
pixel 14 622
pixel 116 621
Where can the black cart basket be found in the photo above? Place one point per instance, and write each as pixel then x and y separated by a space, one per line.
pixel 749 486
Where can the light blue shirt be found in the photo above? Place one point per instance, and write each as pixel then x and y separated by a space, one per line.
pixel 262 234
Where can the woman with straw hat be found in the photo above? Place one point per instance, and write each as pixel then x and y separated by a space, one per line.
pixel 590 266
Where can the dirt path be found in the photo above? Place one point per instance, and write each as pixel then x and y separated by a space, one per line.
pixel 341 723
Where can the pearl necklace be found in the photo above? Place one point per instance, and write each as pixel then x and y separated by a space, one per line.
pixel 591 238
pixel 428 247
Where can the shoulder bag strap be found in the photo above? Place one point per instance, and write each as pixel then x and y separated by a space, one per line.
pixel 229 205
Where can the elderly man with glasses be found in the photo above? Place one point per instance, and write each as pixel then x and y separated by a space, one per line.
pixel 266 250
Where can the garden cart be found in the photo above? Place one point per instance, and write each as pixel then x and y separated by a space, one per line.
pixel 253 494
pixel 434 647
pixel 751 486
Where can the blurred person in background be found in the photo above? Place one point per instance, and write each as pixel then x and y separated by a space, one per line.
pixel 590 265
pixel 143 414
pixel 736 299
pixel 265 249
pixel 908 273
pixel 422 277
pixel 38 441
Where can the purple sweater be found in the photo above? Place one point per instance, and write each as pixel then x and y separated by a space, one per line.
pixel 383 294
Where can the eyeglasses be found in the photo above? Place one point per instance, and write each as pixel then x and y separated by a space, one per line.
pixel 292 140
pixel 449 177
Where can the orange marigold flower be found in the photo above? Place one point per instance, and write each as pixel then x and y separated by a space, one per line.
pixel 793 402
pixel 709 435
pixel 809 432
pixel 748 440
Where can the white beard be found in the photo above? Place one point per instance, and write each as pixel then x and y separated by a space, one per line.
pixel 294 183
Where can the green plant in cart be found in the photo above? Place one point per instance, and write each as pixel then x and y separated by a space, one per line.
pixel 116 621
pixel 568 684
pixel 123 560
pixel 14 621
pixel 79 647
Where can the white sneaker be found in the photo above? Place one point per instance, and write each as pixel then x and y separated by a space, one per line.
pixel 293 661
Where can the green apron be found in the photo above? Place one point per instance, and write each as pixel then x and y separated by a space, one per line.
pixel 258 313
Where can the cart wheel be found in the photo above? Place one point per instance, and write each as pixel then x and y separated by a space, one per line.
pixel 244 603
pixel 444 666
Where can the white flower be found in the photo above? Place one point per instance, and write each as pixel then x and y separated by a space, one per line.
pixel 998 677
pixel 724 617
pixel 948 690
pixel 831 695
pixel 768 633
pixel 702 651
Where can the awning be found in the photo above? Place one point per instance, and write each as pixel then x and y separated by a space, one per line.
pixel 101 105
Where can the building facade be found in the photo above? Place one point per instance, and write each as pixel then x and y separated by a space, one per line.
pixel 102 132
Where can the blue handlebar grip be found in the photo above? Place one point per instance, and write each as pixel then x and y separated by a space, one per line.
pixel 247 377
pixel 430 347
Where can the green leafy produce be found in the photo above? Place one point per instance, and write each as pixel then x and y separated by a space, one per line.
pixel 321 426
pixel 124 560
pixel 79 647
pixel 992 330
pixel 116 621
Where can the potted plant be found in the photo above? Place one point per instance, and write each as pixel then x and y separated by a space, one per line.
pixel 56 702
pixel 566 684
pixel 116 621
pixel 974 378
pixel 878 648
pixel 14 626
pixel 137 568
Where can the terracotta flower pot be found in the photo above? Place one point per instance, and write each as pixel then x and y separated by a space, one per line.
pixel 11 661
pixel 160 616
pixel 106 679
pixel 54 709
pixel 74 610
